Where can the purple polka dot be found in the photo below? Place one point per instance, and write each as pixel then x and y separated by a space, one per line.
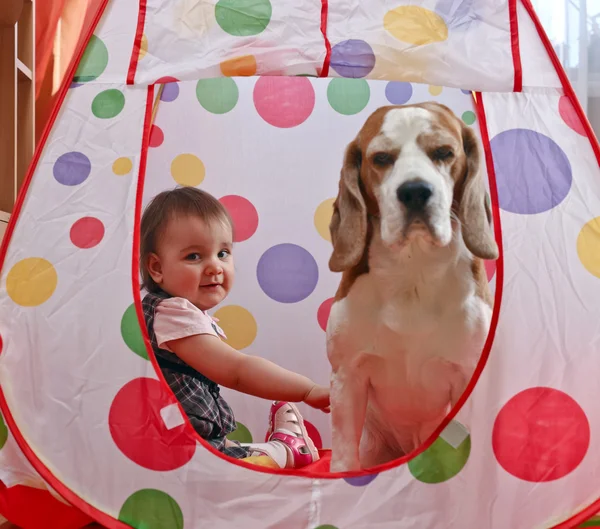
pixel 75 85
pixel 533 173
pixel 287 273
pixel 466 92
pixel 398 92
pixel 352 58
pixel 361 481
pixel 170 92
pixel 72 168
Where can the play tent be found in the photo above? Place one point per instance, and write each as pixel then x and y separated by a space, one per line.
pixel 254 100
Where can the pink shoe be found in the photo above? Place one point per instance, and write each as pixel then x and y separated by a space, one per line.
pixel 286 425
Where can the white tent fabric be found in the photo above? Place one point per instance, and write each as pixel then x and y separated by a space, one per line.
pixel 84 403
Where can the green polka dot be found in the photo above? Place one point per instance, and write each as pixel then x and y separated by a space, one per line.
pixel 243 18
pixel 219 95
pixel 93 63
pixel 469 117
pixel 131 332
pixel 327 526
pixel 108 104
pixel 440 461
pixel 151 509
pixel 348 96
pixel 592 522
pixel 3 432
pixel 241 434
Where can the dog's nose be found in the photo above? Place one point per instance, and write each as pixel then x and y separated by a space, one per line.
pixel 414 194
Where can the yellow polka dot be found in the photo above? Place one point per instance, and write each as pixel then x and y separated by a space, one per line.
pixel 323 217
pixel 187 170
pixel 143 47
pixel 31 282
pixel 435 90
pixel 122 166
pixel 239 66
pixel 588 246
pixel 415 25
pixel 238 324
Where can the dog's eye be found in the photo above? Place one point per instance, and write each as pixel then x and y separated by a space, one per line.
pixel 443 153
pixel 383 159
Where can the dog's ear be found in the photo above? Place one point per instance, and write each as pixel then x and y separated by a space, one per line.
pixel 348 227
pixel 474 210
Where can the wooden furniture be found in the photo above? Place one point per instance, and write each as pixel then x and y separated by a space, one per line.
pixel 17 99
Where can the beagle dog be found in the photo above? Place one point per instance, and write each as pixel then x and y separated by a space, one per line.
pixel 410 227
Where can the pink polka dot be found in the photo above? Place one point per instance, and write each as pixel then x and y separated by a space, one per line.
pixel 323 313
pixel 314 434
pixel 244 216
pixel 490 269
pixel 541 434
pixel 284 101
pixel 569 114
pixel 87 232
pixel 156 136
pixel 140 431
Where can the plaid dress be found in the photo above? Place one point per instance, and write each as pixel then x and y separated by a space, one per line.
pixel 199 396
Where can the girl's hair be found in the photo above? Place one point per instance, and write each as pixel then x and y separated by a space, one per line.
pixel 167 205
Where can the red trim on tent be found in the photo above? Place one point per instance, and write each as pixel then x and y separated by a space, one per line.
pixel 327 60
pixel 137 44
pixel 514 41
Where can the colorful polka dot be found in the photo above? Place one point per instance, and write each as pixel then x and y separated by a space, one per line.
pixel 187 170
pixel 314 434
pixel 171 89
pixel 93 62
pixel 440 462
pixel 490 269
pixel 244 66
pixel 219 95
pixel 353 58
pixel 151 509
pixel 3 432
pixel 132 333
pixel 398 92
pixel 322 218
pixel 238 324
pixel 240 434
pixel 244 216
pixel 588 246
pixel 72 168
pixel 592 522
pixel 284 102
pixel 361 481
pixel 122 166
pixel 415 25
pixel 1 344
pixel 137 408
pixel 469 117
pixel 569 115
pixel 348 96
pixel 541 434
pixel 143 47
pixel 243 18
pixel 87 232
pixel 31 282
pixel 326 526
pixel 157 136
pixel 108 104
pixel 435 90
pixel 466 92
pixel 533 173
pixel 323 313
pixel 287 273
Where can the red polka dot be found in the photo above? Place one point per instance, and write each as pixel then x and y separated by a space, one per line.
pixel 166 79
pixel 139 431
pixel 323 313
pixel 541 434
pixel 569 114
pixel 244 215
pixel 284 101
pixel 490 269
pixel 87 232
pixel 314 434
pixel 156 136
pixel 1 344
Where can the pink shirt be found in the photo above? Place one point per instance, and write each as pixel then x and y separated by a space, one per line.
pixel 177 318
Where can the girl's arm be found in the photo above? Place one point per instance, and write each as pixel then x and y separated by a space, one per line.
pixel 249 374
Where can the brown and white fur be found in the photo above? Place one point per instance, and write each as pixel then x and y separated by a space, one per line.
pixel 413 308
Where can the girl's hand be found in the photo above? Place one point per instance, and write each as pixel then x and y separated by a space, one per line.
pixel 318 397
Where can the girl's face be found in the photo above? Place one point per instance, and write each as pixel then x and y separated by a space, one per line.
pixel 193 260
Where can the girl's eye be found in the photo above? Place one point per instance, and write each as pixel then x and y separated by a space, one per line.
pixel 223 254
pixel 192 257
